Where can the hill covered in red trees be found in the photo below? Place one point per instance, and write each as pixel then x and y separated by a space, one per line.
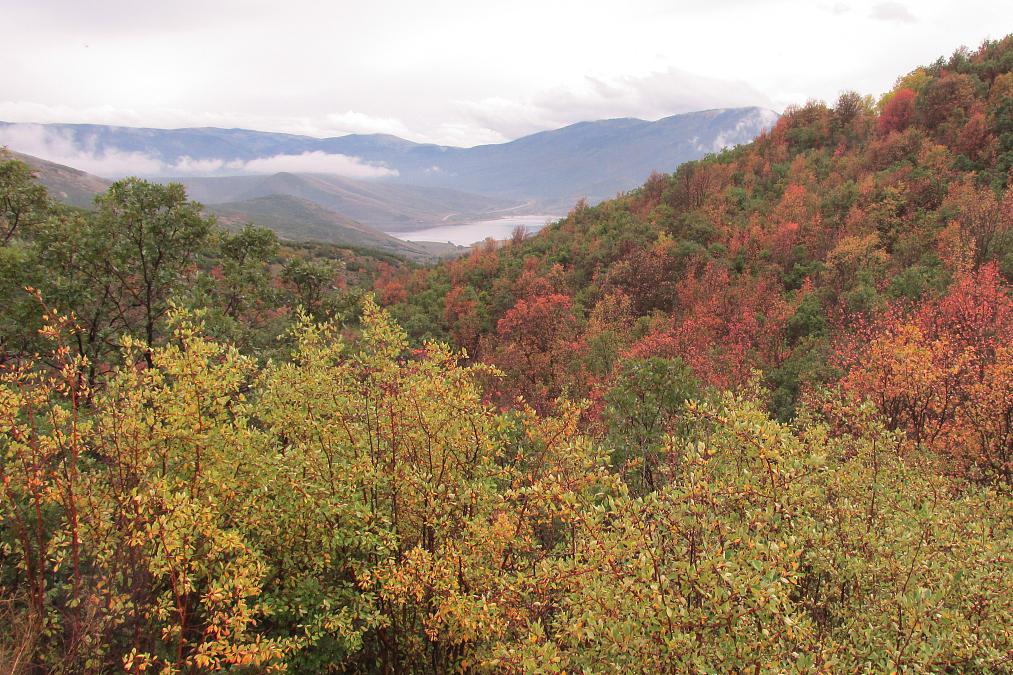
pixel 864 246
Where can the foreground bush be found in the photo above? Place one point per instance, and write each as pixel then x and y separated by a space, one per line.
pixel 360 507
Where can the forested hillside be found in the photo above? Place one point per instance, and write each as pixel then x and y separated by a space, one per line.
pixel 863 245
pixel 756 416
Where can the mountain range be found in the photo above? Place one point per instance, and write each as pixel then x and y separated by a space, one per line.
pixel 390 184
pixel 593 160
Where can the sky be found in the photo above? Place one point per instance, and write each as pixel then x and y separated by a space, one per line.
pixel 457 72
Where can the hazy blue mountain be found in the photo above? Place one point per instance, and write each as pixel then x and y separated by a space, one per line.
pixel 382 205
pixel 550 169
pixel 591 159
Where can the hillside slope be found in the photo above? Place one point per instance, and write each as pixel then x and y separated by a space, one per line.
pixel 845 230
pixel 299 219
pixel 387 207
pixel 65 184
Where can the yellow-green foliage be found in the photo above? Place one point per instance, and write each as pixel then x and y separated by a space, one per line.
pixel 360 507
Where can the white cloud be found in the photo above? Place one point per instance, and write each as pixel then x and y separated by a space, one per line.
pixel 35 112
pixel 62 148
pixel 465 134
pixel 188 166
pixel 747 127
pixel 405 67
pixel 328 124
pixel 892 11
pixel 34 139
pixel 312 162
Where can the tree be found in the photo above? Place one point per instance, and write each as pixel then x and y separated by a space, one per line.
pixel 647 278
pixel 534 341
pixel 945 99
pixel 642 409
pixel 461 313
pixel 986 427
pixel 23 202
pixel 914 380
pixel 148 238
pixel 24 208
pixel 898 112
pixel 245 254
pixel 360 507
pixel 934 372
pixel 310 279
pixel 985 218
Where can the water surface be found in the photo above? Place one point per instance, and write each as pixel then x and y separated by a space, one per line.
pixel 466 234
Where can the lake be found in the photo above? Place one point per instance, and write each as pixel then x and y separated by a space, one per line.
pixel 466 234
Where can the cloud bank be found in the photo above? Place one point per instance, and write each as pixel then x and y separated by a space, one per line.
pixel 34 139
pixel 465 122
pixel 457 72
pixel 85 154
pixel 313 162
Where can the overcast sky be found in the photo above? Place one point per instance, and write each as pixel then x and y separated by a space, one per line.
pixel 459 72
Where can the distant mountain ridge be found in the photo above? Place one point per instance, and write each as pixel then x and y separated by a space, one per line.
pixel 550 169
